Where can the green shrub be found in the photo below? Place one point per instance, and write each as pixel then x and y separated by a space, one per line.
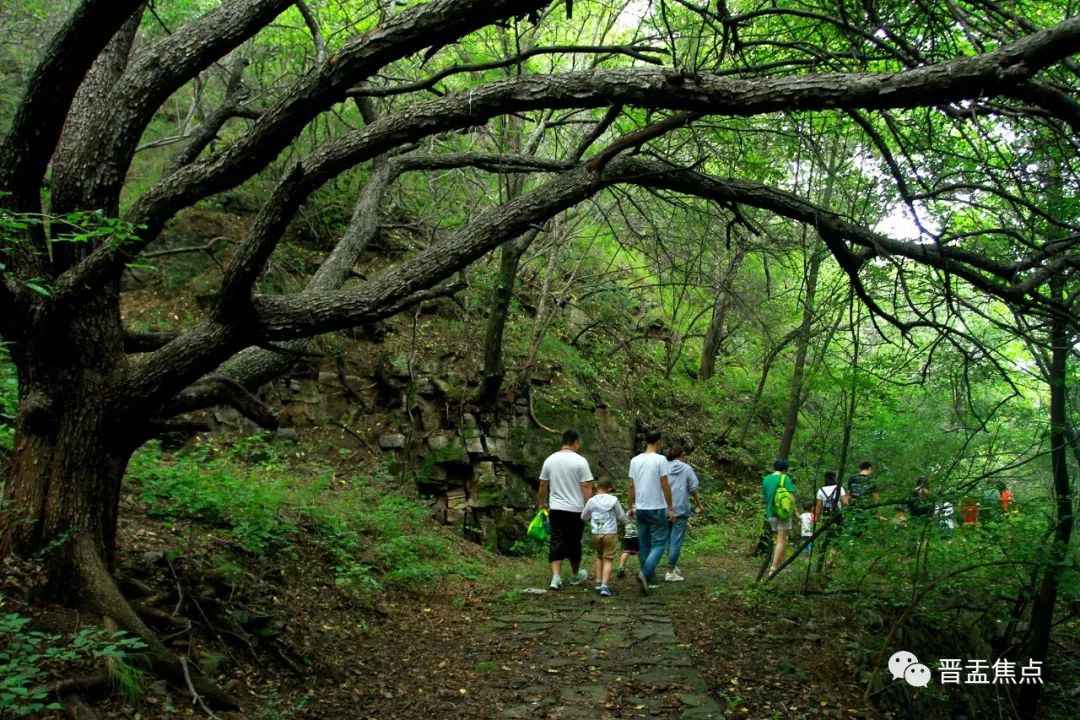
pixel 370 533
pixel 28 658
pixel 9 399
pixel 216 489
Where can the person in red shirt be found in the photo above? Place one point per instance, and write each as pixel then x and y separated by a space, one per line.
pixel 1006 496
pixel 969 511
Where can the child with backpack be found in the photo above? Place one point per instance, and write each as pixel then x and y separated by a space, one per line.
pixel 778 492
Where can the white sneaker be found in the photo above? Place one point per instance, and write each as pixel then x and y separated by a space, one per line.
pixel 556 582
pixel 673 576
pixel 579 577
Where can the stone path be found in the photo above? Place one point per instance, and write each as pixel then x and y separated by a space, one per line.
pixel 582 656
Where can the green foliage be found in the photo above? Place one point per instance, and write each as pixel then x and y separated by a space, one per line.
pixel 82 228
pixel 219 489
pixel 371 534
pixel 273 707
pixel 725 526
pixel 9 398
pixel 22 661
pixel 28 658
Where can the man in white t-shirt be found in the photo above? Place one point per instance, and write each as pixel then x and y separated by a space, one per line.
pixel 832 498
pixel 650 503
pixel 565 485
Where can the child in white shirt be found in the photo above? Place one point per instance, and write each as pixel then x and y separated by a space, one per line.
pixel 606 515
pixel 807 530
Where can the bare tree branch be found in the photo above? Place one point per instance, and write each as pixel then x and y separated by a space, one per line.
pixel 316 33
pixel 296 316
pixel 637 52
pixel 231 106
pixel 139 342
pixel 221 390
pixel 207 248
pixel 641 136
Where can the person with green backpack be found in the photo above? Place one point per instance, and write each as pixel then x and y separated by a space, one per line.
pixel 779 494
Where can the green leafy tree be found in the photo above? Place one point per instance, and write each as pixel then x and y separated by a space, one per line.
pixel 944 99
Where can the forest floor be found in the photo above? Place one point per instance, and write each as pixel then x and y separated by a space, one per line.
pixel 498 644
pixel 697 649
pixel 407 621
pixel 292 646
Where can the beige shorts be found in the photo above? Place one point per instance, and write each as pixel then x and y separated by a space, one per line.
pixel 777 524
pixel 604 545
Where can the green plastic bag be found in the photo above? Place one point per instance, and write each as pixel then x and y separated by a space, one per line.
pixel 540 527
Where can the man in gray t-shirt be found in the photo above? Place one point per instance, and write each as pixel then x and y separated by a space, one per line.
pixel 565 485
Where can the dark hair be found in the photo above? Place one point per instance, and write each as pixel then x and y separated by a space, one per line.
pixel 652 437
pixel 780 465
pixel 605 483
pixel 808 506
pixel 866 465
pixel 1002 486
pixel 570 436
pixel 675 452
pixel 922 482
pixel 830 477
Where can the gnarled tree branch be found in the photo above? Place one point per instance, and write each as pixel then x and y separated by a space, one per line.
pixel 948 82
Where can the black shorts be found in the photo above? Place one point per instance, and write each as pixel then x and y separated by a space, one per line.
pixel 566 528
pixel 630 545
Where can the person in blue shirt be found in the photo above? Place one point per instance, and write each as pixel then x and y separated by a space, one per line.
pixel 684 486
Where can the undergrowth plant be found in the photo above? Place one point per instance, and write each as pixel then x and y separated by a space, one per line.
pixel 29 658
pixel 9 399
pixel 370 533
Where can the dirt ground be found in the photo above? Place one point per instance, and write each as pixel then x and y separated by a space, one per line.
pixel 288 643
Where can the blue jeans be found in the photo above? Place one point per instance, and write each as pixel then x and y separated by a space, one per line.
pixel 678 537
pixel 652 530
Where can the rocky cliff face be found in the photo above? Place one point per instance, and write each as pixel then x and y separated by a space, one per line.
pixel 478 466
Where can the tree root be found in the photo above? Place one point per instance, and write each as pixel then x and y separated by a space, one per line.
pixel 78 710
pixel 532 414
pixel 102 594
pixel 78 684
pixel 195 697
pixel 152 613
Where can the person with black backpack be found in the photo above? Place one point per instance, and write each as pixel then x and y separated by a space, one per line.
pixel 862 484
pixel 831 497
pixel 921 504
pixel 864 491
pixel 831 500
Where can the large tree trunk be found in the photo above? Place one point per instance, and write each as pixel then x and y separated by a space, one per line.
pixel 1042 610
pixel 510 258
pixel 710 347
pixel 70 449
pixel 851 393
pixel 795 397
pixel 72 445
